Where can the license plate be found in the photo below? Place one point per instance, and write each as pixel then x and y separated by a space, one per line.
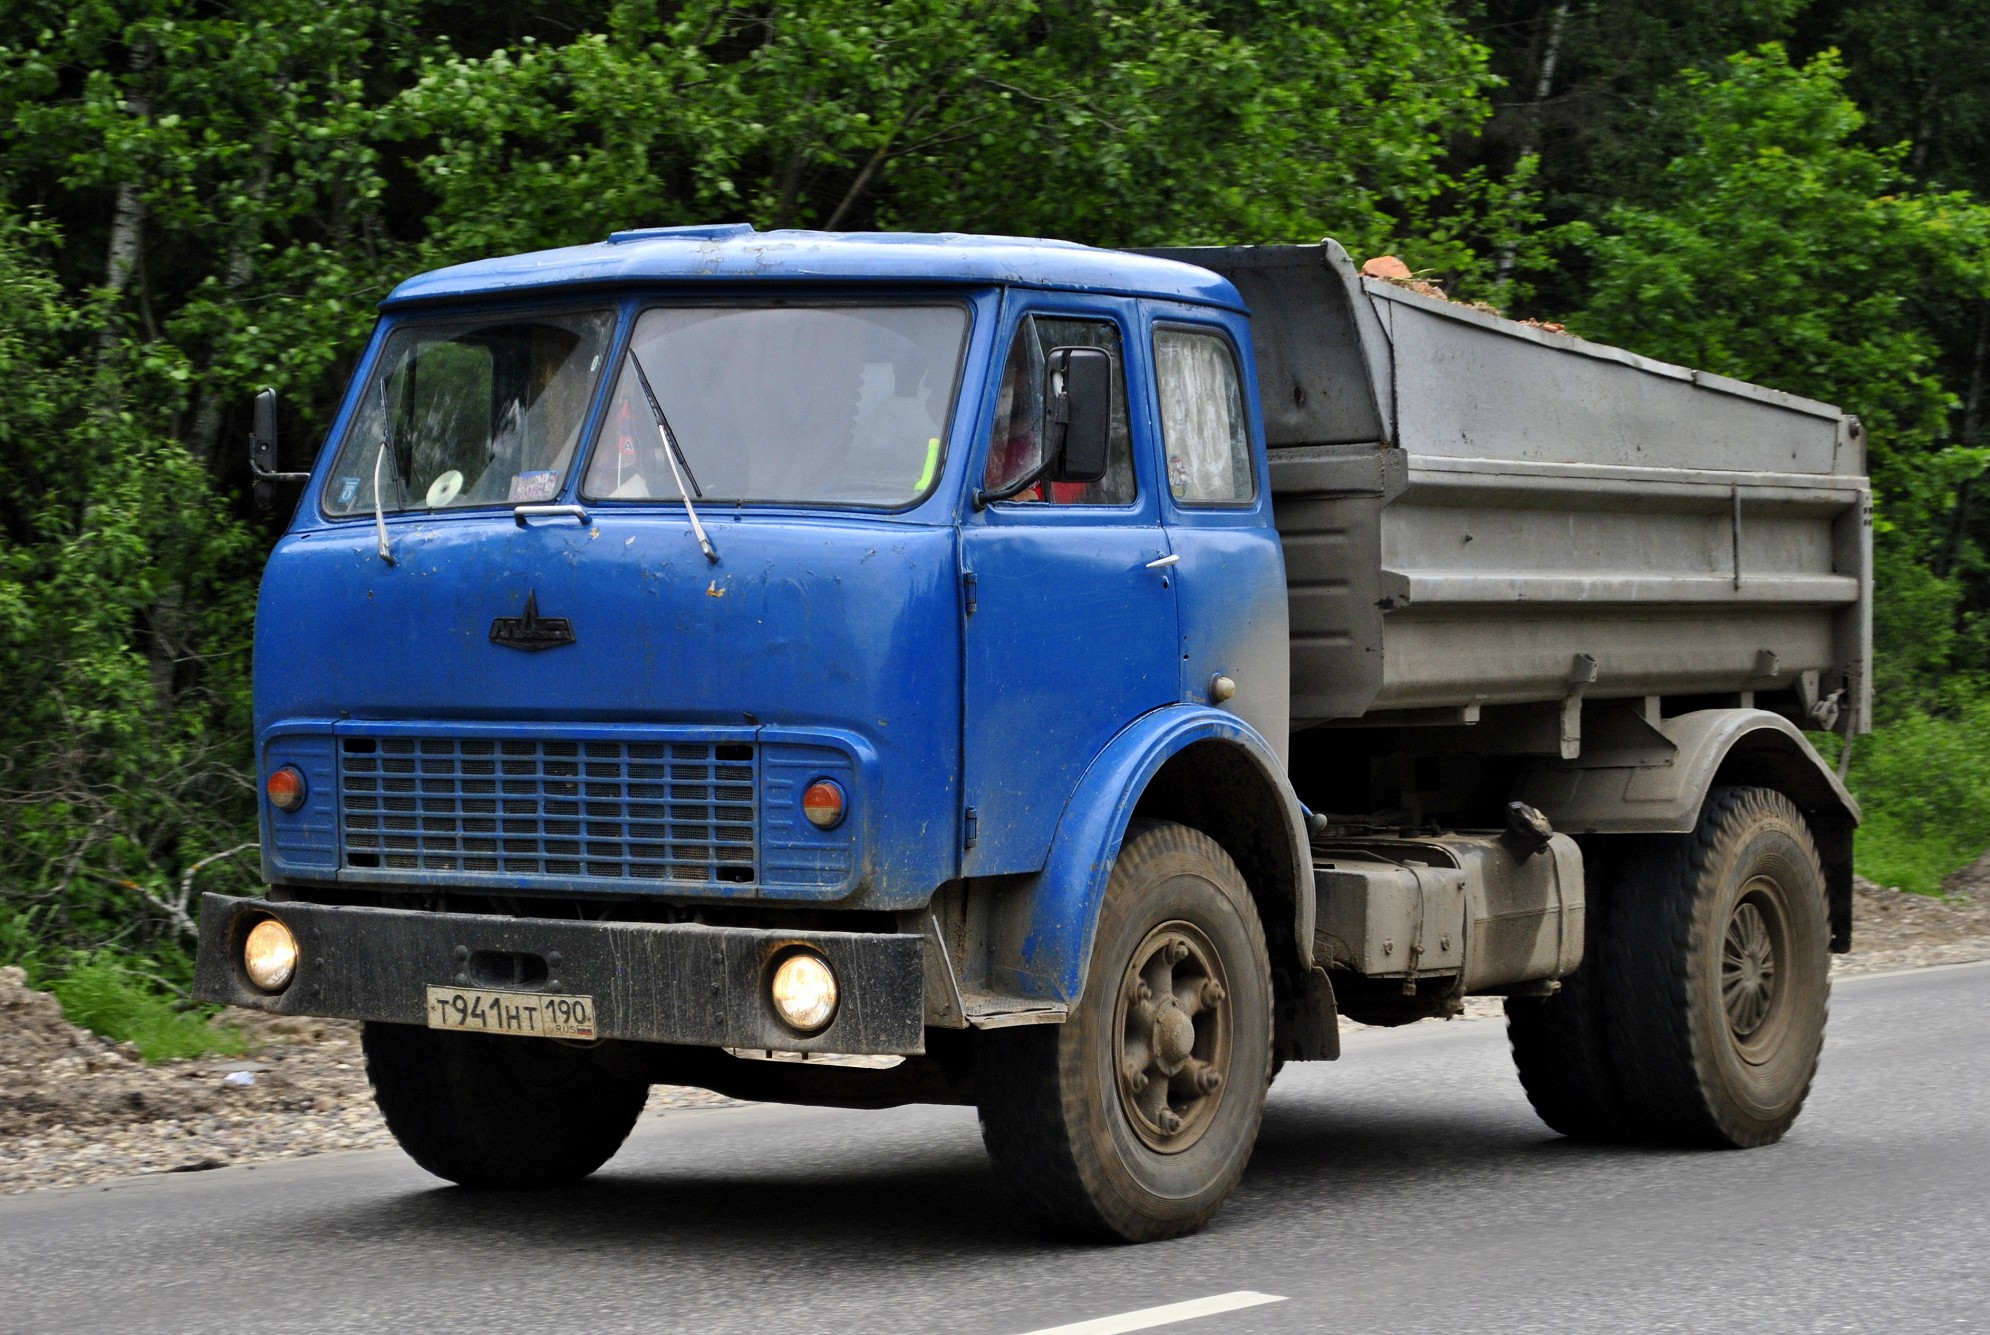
pixel 526 1014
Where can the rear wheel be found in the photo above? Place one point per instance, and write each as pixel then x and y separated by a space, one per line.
pixel 484 1111
pixel 1133 1119
pixel 1718 973
pixel 1561 1044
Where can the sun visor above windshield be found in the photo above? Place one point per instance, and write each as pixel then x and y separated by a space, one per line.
pixel 675 255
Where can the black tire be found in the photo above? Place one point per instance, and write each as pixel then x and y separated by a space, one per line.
pixel 1073 1115
pixel 1718 972
pixel 1561 1045
pixel 498 1113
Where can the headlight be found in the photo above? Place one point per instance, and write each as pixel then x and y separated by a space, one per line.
pixel 804 992
pixel 269 955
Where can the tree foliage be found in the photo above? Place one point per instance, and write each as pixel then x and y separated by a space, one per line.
pixel 197 200
pixel 125 591
pixel 1119 124
pixel 202 200
pixel 1778 248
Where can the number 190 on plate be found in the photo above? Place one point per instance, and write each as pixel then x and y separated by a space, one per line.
pixel 525 1014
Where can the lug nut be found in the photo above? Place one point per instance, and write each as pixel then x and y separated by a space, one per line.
pixel 1135 1077
pixel 1208 1079
pixel 1169 1121
pixel 1212 992
pixel 1178 952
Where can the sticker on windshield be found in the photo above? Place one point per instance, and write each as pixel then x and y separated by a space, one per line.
pixel 348 488
pixel 535 486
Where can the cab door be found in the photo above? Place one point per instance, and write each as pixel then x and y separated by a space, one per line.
pixel 1069 606
pixel 1230 576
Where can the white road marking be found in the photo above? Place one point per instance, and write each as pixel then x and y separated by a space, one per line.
pixel 1149 1317
pixel 1842 979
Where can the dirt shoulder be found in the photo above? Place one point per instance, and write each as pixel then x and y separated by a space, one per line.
pixel 75 1109
pixel 1892 930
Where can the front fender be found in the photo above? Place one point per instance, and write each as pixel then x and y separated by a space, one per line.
pixel 1060 909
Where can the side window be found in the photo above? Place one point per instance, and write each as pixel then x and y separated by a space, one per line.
pixel 1202 419
pixel 1016 447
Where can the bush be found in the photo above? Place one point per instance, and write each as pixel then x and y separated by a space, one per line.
pixel 21 945
pixel 1924 781
pixel 104 994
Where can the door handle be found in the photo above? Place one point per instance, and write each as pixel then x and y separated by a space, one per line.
pixel 1163 562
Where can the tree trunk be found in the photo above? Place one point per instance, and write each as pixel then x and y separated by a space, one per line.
pixel 876 160
pixel 239 269
pixel 1530 134
pixel 1972 430
pixel 128 212
pixel 791 189
pixel 1972 404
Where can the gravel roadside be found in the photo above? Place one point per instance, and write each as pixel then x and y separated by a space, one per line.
pixel 75 1109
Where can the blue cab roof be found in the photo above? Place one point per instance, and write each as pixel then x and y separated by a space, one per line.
pixel 735 252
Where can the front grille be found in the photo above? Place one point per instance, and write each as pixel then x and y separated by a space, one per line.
pixel 605 810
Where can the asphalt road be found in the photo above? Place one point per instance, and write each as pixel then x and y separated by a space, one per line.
pixel 1407 1187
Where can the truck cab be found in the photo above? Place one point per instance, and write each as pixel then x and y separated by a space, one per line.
pixel 496 560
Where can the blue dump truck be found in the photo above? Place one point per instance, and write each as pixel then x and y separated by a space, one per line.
pixel 861 669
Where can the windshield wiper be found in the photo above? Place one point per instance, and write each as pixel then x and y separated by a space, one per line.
pixel 386 439
pixel 680 467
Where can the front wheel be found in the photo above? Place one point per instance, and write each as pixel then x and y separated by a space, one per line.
pixel 485 1111
pixel 1133 1119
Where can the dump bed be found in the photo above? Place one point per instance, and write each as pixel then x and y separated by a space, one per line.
pixel 1481 512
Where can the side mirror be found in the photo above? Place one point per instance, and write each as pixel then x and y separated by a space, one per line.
pixel 262 451
pixel 262 435
pixel 1077 411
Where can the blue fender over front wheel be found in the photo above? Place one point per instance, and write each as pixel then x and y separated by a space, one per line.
pixel 1047 961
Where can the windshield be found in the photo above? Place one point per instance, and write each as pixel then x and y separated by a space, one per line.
pixel 476 412
pixel 835 405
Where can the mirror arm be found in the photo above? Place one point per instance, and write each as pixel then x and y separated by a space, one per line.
pixel 982 499
pixel 264 474
pixel 1056 420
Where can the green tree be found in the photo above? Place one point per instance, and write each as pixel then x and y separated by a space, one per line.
pixel 111 786
pixel 220 194
pixel 1166 121
pixel 210 197
pixel 1916 69
pixel 1584 96
pixel 1776 247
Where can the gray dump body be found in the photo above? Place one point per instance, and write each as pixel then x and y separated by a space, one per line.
pixel 1479 512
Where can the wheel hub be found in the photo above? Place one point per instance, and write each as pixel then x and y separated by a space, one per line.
pixel 1751 953
pixel 1172 1037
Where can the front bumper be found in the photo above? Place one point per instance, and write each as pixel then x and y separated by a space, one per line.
pixel 653 983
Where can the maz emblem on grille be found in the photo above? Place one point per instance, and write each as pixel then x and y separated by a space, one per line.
pixel 532 632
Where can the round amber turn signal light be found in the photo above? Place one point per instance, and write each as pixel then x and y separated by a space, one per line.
pixel 285 788
pixel 822 803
